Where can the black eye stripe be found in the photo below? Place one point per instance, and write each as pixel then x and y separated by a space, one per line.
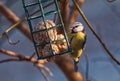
pixel 75 27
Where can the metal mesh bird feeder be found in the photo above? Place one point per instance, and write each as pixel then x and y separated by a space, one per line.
pixel 44 34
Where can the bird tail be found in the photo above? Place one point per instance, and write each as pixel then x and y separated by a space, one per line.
pixel 76 66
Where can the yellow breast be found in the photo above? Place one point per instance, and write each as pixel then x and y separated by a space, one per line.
pixel 77 41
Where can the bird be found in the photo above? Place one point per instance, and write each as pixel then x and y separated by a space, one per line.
pixel 77 39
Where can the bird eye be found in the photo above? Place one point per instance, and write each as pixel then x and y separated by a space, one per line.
pixel 75 26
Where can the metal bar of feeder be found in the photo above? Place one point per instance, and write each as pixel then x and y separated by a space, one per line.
pixel 42 11
pixel 30 24
pixel 49 42
pixel 48 28
pixel 65 35
pixel 38 16
pixel 31 4
pixel 64 52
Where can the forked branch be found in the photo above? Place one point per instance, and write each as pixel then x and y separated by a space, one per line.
pixel 18 57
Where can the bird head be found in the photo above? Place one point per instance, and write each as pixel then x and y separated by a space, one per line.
pixel 77 27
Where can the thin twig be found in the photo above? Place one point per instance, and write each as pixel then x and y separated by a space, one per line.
pixel 32 55
pixel 45 68
pixel 8 60
pixel 87 67
pixel 9 40
pixel 44 75
pixel 95 33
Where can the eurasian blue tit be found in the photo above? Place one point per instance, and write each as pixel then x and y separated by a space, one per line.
pixel 77 38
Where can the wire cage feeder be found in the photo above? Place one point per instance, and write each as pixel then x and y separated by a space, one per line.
pixel 41 16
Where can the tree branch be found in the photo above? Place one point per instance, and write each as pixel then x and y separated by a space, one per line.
pixel 19 57
pixel 45 68
pixel 8 60
pixel 11 17
pixel 44 74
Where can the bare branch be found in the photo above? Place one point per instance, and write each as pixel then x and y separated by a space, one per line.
pixel 45 68
pixel 9 40
pixel 8 60
pixel 21 57
pixel 44 74
pixel 37 63
pixel 87 67
pixel 32 55
pixel 10 16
